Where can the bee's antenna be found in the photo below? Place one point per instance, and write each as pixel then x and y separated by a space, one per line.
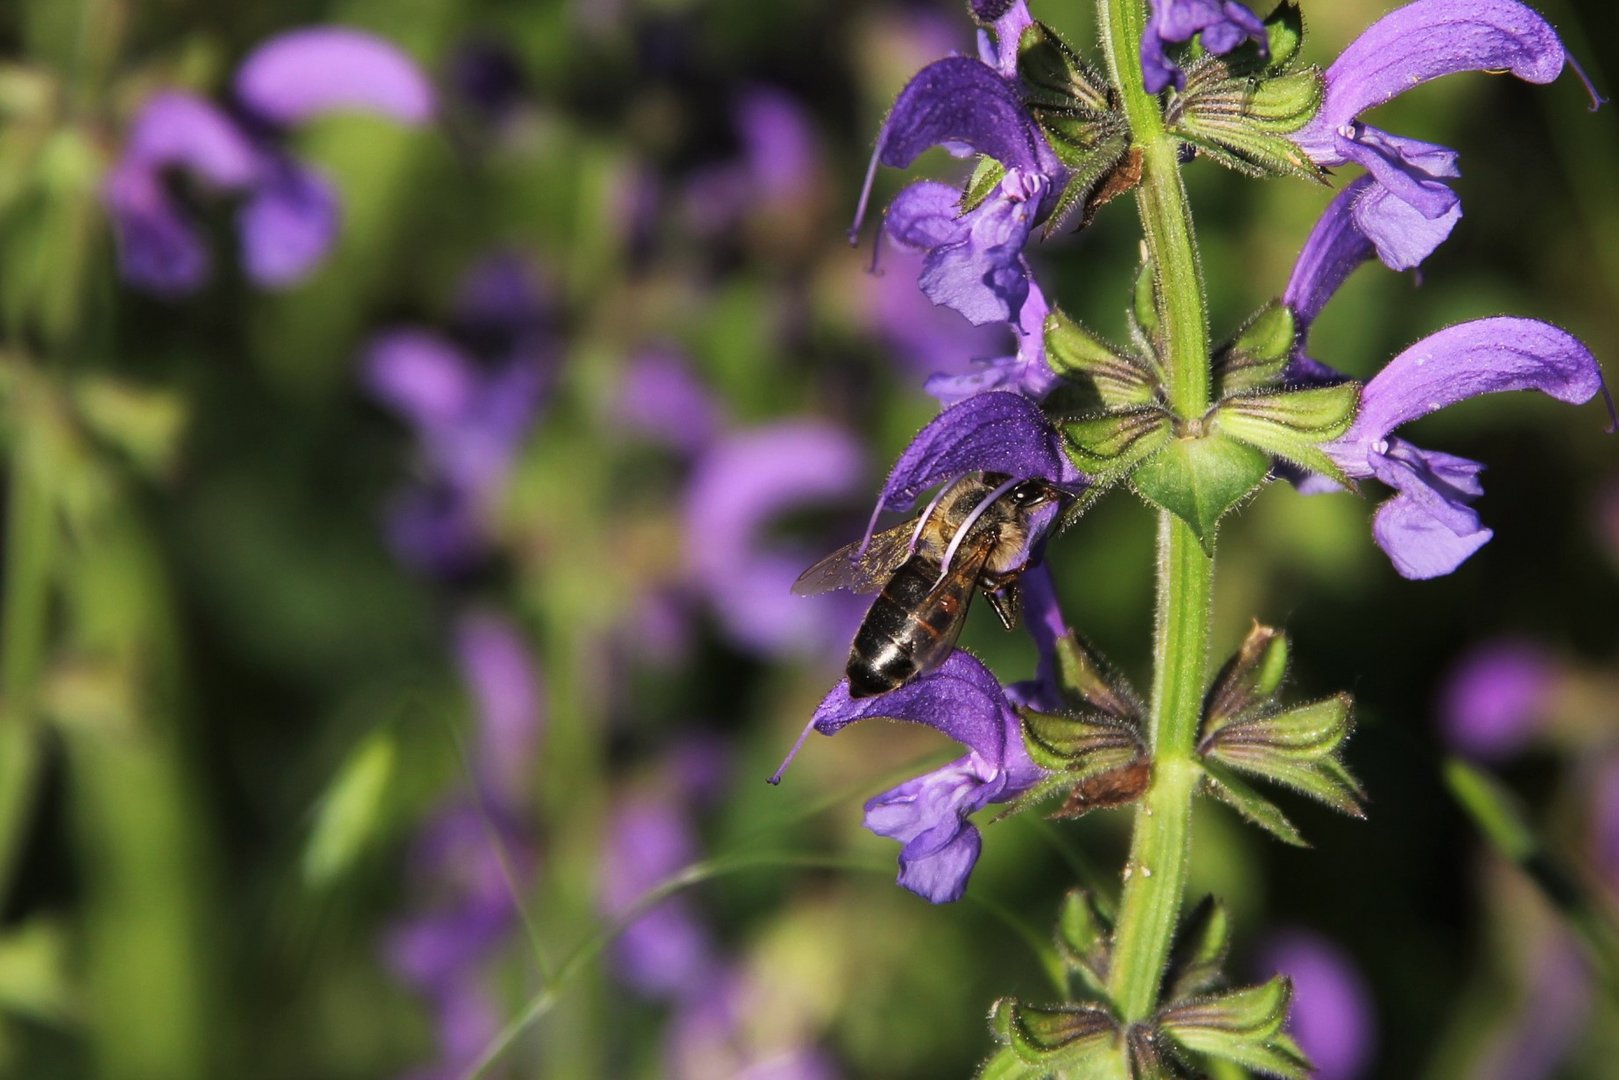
pixel 972 518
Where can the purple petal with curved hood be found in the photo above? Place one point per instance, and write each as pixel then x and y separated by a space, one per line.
pixel 928 814
pixel 289 223
pixel 959 99
pixel 1428 529
pixel 1025 372
pixel 1495 698
pixel 1422 41
pixel 1486 356
pixel 995 432
pixel 738 488
pixel 184 131
pixel 320 69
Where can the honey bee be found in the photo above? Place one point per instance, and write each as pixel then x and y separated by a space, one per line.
pixel 974 536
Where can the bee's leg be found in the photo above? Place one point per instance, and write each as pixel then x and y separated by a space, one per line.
pixel 1006 601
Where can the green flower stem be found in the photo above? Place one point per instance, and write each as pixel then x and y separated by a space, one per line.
pixel 1155 876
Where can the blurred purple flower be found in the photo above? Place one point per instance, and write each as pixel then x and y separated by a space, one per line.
pixel 469 418
pixel 665 952
pixel 660 398
pixel 1407 47
pixel 486 78
pixel 1224 24
pixel 1495 697
pixel 1605 823
pixel 1428 528
pixel 710 1037
pixel 928 814
pixel 776 164
pixel 1333 1017
pixel 926 339
pixel 1538 1036
pixel 500 674
pixel 290 213
pixel 973 261
pixel 739 486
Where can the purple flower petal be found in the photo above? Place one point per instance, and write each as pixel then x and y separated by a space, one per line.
pixel 1336 247
pixel 420 376
pixel 1224 24
pixel 320 69
pixel 500 673
pixel 928 814
pixel 288 224
pixel 995 432
pixel 1428 529
pixel 1495 697
pixel 1332 1017
pixel 1421 41
pixel 184 131
pixel 974 261
pixel 661 399
pixel 959 99
pixel 738 488
pixel 159 248
pixel 1008 20
pixel 1025 372
pixel 778 144
pixel 666 951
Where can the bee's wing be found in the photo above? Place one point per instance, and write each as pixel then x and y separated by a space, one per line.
pixel 866 572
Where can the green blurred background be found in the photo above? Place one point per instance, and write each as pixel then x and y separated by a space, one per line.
pixel 228 708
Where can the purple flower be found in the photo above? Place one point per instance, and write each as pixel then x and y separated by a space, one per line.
pixel 660 398
pixel 973 261
pixel 469 418
pixel 778 163
pixel 1428 528
pixel 1025 371
pixel 928 814
pixel 1546 1025
pixel 665 952
pixel 499 673
pixel 713 1034
pixel 1405 48
pixel 1495 697
pixel 739 487
pixel 1332 1016
pixel 290 214
pixel 1224 24
pixel 925 339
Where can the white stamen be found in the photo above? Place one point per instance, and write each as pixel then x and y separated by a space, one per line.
pixel 921 522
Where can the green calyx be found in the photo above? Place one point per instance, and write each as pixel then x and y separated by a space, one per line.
pixel 1240 108
pixel 1243 1027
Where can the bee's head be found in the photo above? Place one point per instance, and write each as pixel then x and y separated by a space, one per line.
pixel 1030 493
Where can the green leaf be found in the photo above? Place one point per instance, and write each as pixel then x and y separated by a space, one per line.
pixel 1259 353
pixel 1241 1026
pixel 1200 479
pixel 1201 951
pixel 1284 30
pixel 1109 445
pixel 1225 785
pixel 144 423
pixel 1076 353
pixel 1292 424
pixel 351 809
pixel 1084 937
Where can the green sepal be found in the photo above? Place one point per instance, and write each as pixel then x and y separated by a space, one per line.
pixel 1200 479
pixel 1292 424
pixel 1080 745
pixel 1082 1041
pixel 1088 681
pixel 1259 353
pixel 986 175
pixel 1077 354
pixel 1144 305
pixel 1249 680
pixel 1296 748
pixel 1242 1026
pixel 145 424
pixel 1055 76
pixel 1108 446
pixel 1004 1064
pixel 1092 151
pixel 1244 122
pixel 1224 784
pixel 1084 939
pixel 1200 954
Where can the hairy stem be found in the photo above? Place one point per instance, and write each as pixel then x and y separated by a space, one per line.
pixel 1155 876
